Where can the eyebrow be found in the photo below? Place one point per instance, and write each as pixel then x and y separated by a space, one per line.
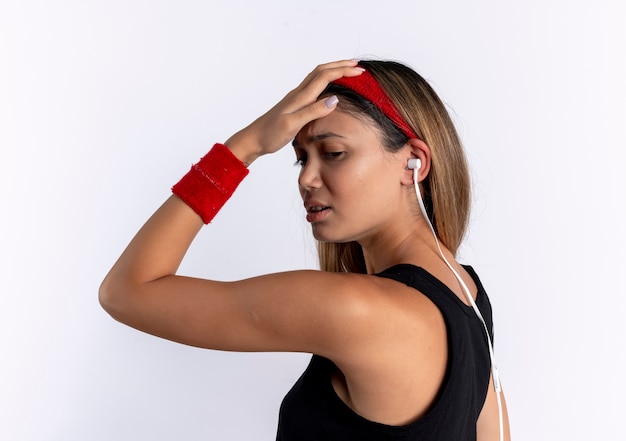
pixel 315 138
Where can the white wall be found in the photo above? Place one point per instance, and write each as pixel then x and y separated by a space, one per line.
pixel 105 104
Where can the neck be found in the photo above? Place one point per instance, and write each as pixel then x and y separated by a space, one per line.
pixel 414 244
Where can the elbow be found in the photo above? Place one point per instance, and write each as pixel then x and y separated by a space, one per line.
pixel 105 296
pixel 111 298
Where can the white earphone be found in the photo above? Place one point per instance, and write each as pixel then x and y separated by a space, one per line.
pixel 415 164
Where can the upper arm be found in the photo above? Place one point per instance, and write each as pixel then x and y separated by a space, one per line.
pixel 303 311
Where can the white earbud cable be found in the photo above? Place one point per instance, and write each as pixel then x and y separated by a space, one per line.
pixel 494 369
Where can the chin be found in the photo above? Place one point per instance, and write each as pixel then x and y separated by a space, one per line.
pixel 330 236
pixel 321 235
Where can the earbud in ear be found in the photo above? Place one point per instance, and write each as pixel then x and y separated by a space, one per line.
pixel 414 164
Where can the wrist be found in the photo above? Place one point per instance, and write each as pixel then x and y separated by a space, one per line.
pixel 243 148
pixel 211 182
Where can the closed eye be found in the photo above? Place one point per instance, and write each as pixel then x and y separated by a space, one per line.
pixel 333 155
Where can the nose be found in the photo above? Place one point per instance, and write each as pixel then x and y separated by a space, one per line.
pixel 309 178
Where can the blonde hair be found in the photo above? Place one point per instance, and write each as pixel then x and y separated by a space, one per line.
pixel 446 189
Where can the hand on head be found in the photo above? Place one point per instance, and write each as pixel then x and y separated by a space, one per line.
pixel 273 130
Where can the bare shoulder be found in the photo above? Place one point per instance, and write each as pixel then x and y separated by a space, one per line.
pixel 394 340
pixel 356 296
pixel 369 315
pixel 335 314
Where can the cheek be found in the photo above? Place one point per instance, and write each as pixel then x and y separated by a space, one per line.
pixel 355 199
pixel 367 182
pixel 344 186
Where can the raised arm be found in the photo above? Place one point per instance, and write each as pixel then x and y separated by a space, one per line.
pixel 143 290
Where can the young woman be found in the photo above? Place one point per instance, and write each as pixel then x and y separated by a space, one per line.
pixel 399 352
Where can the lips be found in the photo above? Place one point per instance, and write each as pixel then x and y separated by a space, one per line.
pixel 316 211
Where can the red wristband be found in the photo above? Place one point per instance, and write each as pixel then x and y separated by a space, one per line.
pixel 211 182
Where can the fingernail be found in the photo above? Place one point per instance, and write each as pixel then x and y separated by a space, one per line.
pixel 331 101
pixel 360 68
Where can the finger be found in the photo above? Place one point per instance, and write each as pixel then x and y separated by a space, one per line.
pixel 318 109
pixel 331 65
pixel 309 90
pixel 320 69
pixel 327 76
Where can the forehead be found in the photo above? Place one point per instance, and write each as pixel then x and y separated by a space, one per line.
pixel 337 124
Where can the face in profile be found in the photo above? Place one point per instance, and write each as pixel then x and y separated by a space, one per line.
pixel 348 181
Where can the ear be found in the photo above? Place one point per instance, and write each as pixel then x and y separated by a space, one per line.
pixel 417 149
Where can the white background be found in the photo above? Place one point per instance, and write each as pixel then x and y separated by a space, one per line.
pixel 105 104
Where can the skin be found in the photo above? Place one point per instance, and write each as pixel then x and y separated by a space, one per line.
pixel 355 320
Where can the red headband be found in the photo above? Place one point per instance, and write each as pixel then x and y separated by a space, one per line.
pixel 366 86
